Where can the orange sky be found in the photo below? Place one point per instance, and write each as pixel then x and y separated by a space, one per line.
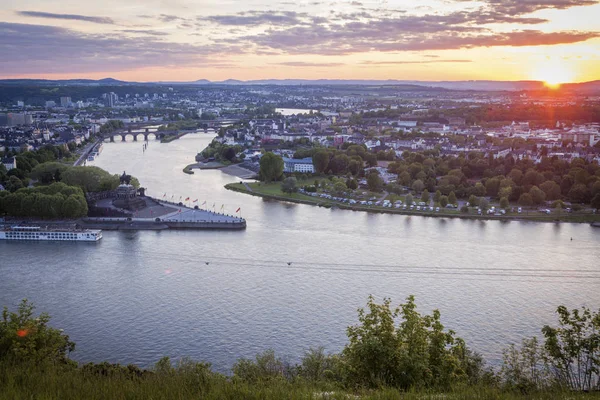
pixel 150 40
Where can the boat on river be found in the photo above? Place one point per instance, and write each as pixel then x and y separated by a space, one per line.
pixel 37 233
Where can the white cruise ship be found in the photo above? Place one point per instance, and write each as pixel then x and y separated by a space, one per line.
pixel 36 233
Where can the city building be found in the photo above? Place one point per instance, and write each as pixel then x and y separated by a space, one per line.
pixel 304 165
pixel 15 119
pixel 111 99
pixel 65 102
pixel 50 104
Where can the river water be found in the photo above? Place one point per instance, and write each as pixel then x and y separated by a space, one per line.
pixel 137 296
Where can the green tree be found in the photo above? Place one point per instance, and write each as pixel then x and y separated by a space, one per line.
pixel 452 198
pixel 28 339
pixel 409 200
pixel 484 204
pixel 425 196
pixel 573 348
pixel 289 185
pixel 596 201
pixel 537 195
pixel 437 196
pixel 525 369
pixel 339 187
pixel 371 160
pixel 473 200
pixel 321 161
pixel 271 167
pixel 415 353
pixel 418 186
pixel 355 167
pixel 525 200
pixel 504 203
pixel 443 201
pixel 351 184
pixel 551 189
pixel 374 182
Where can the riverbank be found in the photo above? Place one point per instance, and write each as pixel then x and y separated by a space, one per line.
pixel 234 169
pixel 273 192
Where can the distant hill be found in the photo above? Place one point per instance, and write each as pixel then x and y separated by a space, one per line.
pixel 592 87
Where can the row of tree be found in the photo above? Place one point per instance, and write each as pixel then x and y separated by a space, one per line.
pixel 57 200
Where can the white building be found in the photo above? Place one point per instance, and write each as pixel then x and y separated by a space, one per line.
pixel 304 165
pixel 9 163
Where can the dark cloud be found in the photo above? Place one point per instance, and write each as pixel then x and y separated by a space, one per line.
pixel 307 64
pixel 48 49
pixel 75 17
pixel 255 18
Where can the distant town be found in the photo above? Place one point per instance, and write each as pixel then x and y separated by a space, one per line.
pixel 415 138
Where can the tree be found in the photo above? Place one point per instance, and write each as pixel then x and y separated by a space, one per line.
pixel 537 195
pixel 355 166
pixel 289 185
pixel 525 368
pixel 573 348
pixel 425 196
pixel 352 184
pixel 371 160
pixel 579 193
pixel 484 204
pixel 339 164
pixel 14 184
pixel 418 186
pixel 479 190
pixel 25 338
pixel 409 199
pixel 504 203
pixel 437 196
pixel 452 198
pixel 271 167
pixel 321 161
pixel 374 182
pixel 596 202
pixel 339 187
pixel 444 201
pixel 473 200
pixel 526 200
pixel 416 352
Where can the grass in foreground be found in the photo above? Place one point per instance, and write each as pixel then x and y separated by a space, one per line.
pixel 51 383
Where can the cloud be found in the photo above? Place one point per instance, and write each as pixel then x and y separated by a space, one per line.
pixel 75 17
pixel 144 32
pixel 405 33
pixel 413 62
pixel 46 49
pixel 519 7
pixel 307 64
pixel 255 18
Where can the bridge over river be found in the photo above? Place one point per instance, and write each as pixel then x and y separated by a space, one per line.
pixel 147 130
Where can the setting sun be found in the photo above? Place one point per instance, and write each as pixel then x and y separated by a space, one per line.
pixel 553 72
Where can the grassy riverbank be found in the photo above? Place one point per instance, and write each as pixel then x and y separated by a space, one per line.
pixel 53 383
pixel 273 191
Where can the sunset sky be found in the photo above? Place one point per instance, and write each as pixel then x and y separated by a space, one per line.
pixel 184 40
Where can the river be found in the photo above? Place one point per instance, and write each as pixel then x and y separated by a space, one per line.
pixel 137 296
